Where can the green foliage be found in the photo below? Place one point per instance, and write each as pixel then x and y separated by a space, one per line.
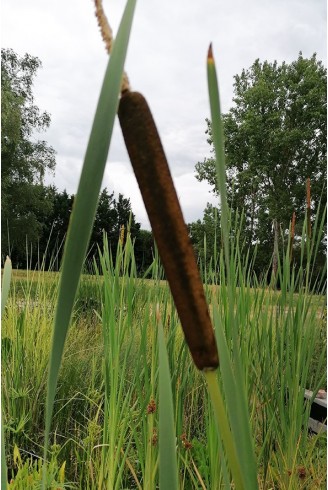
pixel 275 138
pixel 206 236
pixel 5 286
pixel 27 475
pixel 282 345
pixel 51 244
pixel 24 160
pixel 239 447
pixel 168 472
pixel 51 215
pixel 144 250
pixel 112 214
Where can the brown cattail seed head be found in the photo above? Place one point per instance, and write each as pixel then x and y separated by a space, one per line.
pixel 156 185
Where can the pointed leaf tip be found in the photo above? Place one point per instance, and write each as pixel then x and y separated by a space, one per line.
pixel 210 54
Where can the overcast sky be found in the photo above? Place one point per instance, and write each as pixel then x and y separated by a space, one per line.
pixel 166 62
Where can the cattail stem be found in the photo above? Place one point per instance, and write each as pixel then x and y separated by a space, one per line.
pixel 308 206
pixel 275 251
pixel 292 236
pixel 156 185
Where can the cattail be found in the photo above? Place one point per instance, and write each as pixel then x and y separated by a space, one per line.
pixel 156 185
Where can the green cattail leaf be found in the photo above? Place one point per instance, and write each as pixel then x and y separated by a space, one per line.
pixel 5 284
pixel 3 459
pixel 168 470
pixel 223 427
pixel 6 278
pixel 231 368
pixel 218 141
pixel 85 203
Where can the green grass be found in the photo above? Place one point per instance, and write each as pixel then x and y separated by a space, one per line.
pixel 110 373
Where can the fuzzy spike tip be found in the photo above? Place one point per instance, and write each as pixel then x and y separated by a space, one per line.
pixel 210 58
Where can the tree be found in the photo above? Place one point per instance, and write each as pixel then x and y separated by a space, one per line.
pixel 275 138
pixel 124 216
pixel 205 237
pixel 24 159
pixel 144 250
pixel 104 220
pixel 111 215
pixel 55 228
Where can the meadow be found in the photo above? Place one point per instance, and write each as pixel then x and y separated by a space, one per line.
pixel 105 423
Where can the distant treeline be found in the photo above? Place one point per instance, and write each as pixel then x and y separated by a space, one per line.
pixel 43 245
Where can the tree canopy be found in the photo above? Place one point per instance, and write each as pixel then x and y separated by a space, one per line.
pixel 48 246
pixel 275 138
pixel 205 236
pixel 24 158
pixel 111 215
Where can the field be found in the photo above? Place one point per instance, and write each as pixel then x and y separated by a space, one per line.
pixel 105 429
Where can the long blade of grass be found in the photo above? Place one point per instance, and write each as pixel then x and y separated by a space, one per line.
pixel 5 284
pixel 231 370
pixel 223 427
pixel 85 204
pixel 6 278
pixel 3 458
pixel 218 139
pixel 168 469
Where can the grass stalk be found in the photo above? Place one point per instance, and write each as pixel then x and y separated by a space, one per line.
pixel 224 427
pixel 232 371
pixel 6 278
pixel 86 203
pixel 168 470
